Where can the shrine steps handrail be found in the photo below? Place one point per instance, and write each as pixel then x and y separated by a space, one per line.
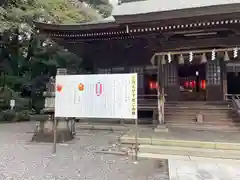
pixel 235 102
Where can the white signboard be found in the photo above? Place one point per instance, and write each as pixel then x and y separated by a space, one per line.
pixel 96 96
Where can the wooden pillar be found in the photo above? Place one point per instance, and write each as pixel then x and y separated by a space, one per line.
pixel 141 81
pixel 214 81
pixel 160 73
pixel 171 85
pixel 224 79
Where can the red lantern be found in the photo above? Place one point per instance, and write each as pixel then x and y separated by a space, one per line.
pixel 190 84
pixel 153 85
pixel 203 84
pixel 186 84
pixel 194 84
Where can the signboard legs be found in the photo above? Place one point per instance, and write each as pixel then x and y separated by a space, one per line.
pixel 54 134
pixel 136 140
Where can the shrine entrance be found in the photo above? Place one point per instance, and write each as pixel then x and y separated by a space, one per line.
pixel 192 82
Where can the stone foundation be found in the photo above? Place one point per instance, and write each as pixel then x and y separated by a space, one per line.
pixel 45 132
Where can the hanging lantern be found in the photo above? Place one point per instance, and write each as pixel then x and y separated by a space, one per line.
pixel 190 84
pixel 226 57
pixel 194 84
pixel 203 84
pixel 153 85
pixel 186 84
pixel 163 59
pixel 203 58
pixel 181 59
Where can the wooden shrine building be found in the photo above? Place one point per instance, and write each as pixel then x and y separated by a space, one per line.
pixel 192 45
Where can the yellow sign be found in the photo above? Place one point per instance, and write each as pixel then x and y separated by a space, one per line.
pixel 134 95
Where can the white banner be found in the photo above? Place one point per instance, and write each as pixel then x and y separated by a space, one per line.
pixel 96 96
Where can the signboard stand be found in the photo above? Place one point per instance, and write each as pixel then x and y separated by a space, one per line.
pixel 136 148
pixel 111 96
pixel 54 134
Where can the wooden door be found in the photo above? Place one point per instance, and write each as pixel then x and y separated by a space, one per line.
pixel 214 81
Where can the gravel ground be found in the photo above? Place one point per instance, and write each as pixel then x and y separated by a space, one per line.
pixel 77 160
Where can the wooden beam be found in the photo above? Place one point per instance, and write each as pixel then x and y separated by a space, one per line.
pixel 200 43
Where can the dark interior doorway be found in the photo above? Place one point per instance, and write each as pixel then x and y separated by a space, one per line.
pixel 192 81
pixel 233 82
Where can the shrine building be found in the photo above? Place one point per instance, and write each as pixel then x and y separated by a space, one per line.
pixel 192 46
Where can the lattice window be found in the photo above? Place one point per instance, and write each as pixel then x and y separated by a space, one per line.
pixel 171 73
pixel 214 73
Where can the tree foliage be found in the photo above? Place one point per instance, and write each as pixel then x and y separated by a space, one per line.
pixel 102 6
pixel 17 12
pixel 27 59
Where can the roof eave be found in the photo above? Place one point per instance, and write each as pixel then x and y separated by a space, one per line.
pixel 178 14
pixel 74 27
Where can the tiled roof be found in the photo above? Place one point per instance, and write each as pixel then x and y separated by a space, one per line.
pixel 148 6
pixel 106 20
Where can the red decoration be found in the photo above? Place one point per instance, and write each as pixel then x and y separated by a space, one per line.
pixel 153 85
pixel 190 84
pixel 59 88
pixel 99 89
pixel 81 87
pixel 203 84
pixel 194 84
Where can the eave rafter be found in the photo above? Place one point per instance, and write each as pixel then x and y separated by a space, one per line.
pixel 120 33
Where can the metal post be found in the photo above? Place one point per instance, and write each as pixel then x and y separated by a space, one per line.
pixel 60 71
pixel 136 139
pixel 54 134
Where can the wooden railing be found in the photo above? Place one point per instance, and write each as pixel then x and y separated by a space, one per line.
pixel 235 101
pixel 232 96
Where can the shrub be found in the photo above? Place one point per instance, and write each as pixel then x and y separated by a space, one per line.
pixel 8 116
pixel 23 115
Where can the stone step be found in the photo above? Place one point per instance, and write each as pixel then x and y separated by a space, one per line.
pixel 198 108
pixel 206 127
pixel 194 120
pixel 153 150
pixel 188 119
pixel 199 102
pixel 117 121
pixel 207 121
pixel 161 141
pixel 207 114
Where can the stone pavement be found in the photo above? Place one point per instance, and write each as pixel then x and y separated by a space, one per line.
pixel 77 160
pixel 203 169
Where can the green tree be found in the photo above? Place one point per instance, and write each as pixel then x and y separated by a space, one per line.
pixel 103 6
pixel 27 60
